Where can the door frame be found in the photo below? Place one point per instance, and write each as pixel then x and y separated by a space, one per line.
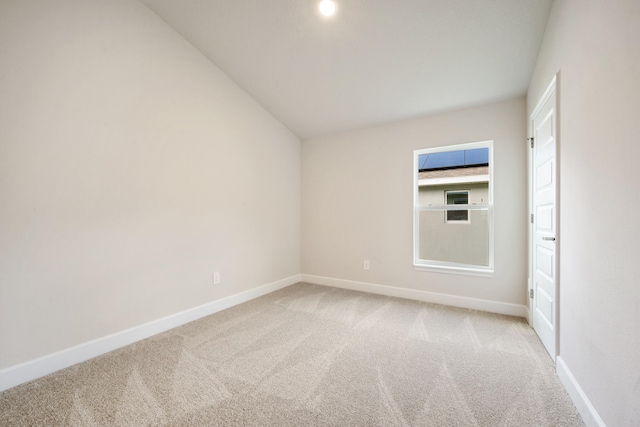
pixel 554 85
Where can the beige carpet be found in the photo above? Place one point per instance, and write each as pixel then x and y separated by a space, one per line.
pixel 312 355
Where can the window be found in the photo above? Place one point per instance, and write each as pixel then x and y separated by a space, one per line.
pixel 453 208
pixel 457 198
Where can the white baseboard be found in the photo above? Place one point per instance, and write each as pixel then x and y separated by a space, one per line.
pixel 585 408
pixel 28 371
pixel 426 296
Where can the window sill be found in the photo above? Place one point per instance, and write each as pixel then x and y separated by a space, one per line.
pixel 468 271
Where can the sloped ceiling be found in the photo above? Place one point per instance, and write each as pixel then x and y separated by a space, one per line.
pixel 375 61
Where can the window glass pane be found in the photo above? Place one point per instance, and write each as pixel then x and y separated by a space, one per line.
pixel 440 241
pixel 457 216
pixel 454 176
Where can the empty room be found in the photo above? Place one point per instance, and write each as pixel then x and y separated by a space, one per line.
pixel 306 212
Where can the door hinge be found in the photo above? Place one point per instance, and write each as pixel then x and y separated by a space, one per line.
pixel 530 141
pixel 531 293
pixel 531 218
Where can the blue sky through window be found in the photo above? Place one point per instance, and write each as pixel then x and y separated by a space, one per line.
pixel 454 159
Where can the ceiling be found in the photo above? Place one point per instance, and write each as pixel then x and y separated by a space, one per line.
pixel 374 61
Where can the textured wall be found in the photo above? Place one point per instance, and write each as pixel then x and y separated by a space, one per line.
pixel 358 201
pixel 595 47
pixel 131 168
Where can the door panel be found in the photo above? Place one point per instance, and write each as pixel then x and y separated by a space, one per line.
pixel 545 215
pixel 543 244
pixel 544 305
pixel 545 262
pixel 544 175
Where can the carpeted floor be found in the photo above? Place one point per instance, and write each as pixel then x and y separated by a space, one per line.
pixel 312 355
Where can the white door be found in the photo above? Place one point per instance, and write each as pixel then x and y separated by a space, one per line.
pixel 543 251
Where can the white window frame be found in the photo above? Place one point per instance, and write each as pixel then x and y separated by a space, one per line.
pixel 453 267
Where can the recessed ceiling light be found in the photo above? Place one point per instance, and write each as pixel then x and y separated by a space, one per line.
pixel 327 7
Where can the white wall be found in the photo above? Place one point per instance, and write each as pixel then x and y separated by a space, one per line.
pixel 131 168
pixel 357 202
pixel 596 47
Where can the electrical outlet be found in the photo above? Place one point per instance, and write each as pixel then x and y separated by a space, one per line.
pixel 366 265
pixel 216 278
